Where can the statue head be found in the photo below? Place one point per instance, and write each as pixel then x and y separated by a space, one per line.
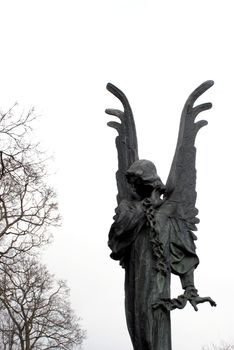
pixel 142 174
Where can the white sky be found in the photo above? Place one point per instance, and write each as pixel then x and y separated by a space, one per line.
pixel 58 55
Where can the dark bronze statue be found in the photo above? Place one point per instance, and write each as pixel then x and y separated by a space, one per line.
pixel 152 234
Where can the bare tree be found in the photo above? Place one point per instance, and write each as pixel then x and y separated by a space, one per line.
pixel 27 204
pixel 7 330
pixel 223 346
pixel 35 310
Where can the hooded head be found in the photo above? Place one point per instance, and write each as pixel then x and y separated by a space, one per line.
pixel 142 174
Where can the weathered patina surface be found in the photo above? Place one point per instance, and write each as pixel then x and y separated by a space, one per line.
pixel 152 234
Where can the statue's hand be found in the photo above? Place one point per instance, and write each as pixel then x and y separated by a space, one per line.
pixel 194 298
pixel 198 300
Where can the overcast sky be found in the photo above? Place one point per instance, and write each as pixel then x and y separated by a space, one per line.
pixel 57 56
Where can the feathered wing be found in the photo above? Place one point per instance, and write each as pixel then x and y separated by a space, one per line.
pixel 126 141
pixel 181 183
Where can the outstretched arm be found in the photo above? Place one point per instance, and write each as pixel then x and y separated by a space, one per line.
pixel 191 293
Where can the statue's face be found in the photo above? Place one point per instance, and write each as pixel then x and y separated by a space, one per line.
pixel 142 187
pixel 143 177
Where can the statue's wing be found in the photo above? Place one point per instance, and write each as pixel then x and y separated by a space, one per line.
pixel 181 183
pixel 126 141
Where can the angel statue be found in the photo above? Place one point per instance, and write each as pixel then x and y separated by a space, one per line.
pixel 152 234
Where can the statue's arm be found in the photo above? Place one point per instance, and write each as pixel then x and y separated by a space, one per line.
pixel 190 294
pixel 129 219
pixel 190 291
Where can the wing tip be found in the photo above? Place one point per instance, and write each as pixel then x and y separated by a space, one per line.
pixel 209 82
pixel 109 86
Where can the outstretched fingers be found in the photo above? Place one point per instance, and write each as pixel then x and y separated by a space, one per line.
pixel 199 300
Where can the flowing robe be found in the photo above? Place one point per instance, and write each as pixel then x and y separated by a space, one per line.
pixel 147 275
